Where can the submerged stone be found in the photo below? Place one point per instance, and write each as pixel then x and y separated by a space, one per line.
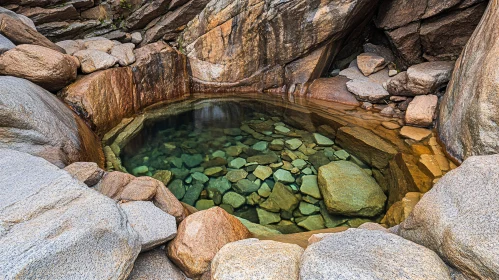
pixel 237 163
pixel 348 190
pixel 267 217
pixel 192 160
pixel 245 186
pixel 262 172
pixel 281 198
pixel 204 204
pixel 221 184
pixel 283 176
pixel 293 144
pixel 236 175
pixel 315 222
pixel 234 199
pixel 322 140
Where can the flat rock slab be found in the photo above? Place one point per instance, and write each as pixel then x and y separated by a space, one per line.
pixel 415 133
pixel 370 254
pixel 254 259
pixel 62 224
pixel 153 225
pixel 367 91
pixel 370 63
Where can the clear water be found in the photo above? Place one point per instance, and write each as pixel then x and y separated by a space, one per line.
pixel 213 152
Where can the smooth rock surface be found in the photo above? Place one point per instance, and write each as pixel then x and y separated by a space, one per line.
pixel 367 91
pixel 348 190
pixel 34 121
pixel 200 236
pixel 154 226
pixel 253 259
pixel 155 265
pixel 50 69
pixel 457 218
pixel 370 254
pixel 332 89
pixel 63 221
pixel 469 112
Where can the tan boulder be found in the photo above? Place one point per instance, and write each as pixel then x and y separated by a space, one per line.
pixel 113 183
pixel 469 112
pixel 20 33
pixel 421 110
pixel 254 259
pixel 332 89
pixel 199 238
pixel 140 189
pixel 50 69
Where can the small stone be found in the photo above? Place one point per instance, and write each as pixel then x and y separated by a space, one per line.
pixel 387 112
pixel 264 159
pixel 236 175
pixel 264 190
pixel 234 151
pixel 204 204
pixel 307 171
pixel 164 176
pixel 237 163
pixel 282 130
pixel 322 140
pixel 429 165
pixel 342 154
pixel 366 106
pixel 392 73
pixel 421 110
pixel 283 176
pixel 369 63
pixel 192 160
pixel 136 37
pixel 299 163
pixel 140 170
pixel 219 154
pixel 262 172
pixel 276 145
pixel 309 186
pixel 200 177
pixel 253 199
pixel 293 144
pixel 315 222
pixel 214 171
pixel 192 193
pixel 390 125
pixel 260 146
pixel 415 133
pixel 177 188
pixel 267 218
pixel 234 199
pixel 308 209
pixel 221 185
pixel 245 186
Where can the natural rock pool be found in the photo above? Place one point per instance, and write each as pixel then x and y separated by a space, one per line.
pixel 289 167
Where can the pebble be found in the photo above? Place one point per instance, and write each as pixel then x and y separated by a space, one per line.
pixel 237 163
pixel 283 176
pixel 322 140
pixel 293 144
pixel 262 172
pixel 282 129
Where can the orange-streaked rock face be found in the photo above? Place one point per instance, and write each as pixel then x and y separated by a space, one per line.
pixel 257 45
pixel 469 111
pixel 200 236
pixel 104 98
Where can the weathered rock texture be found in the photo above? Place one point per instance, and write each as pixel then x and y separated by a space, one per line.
pixel 469 112
pixel 370 254
pixel 155 265
pixel 258 45
pixel 458 218
pixel 431 30
pixel 34 121
pixel 106 97
pixel 54 227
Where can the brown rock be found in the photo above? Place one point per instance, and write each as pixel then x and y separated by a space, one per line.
pixel 113 184
pixel 200 236
pixel 407 43
pixel 370 63
pixel 140 189
pixel 429 165
pixel 400 210
pixel 167 202
pixel 50 69
pixel 142 16
pixel 415 133
pixel 421 110
pixel 469 113
pixel 86 172
pixel 164 176
pixel 41 15
pixel 20 33
pixel 332 89
pixel 264 60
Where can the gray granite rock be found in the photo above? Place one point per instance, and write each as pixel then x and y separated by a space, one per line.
pixel 154 226
pixel 367 254
pixel 124 53
pixel 458 218
pixel 253 259
pixel 62 225
pixel 367 91
pixel 87 172
pixel 94 60
pixel 5 44
pixel 155 265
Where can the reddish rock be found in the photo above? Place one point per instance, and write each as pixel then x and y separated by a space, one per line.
pixel 166 201
pixel 106 97
pixel 332 89
pixel 200 236
pixel 140 189
pixel 421 110
pixel 370 63
pixel 86 172
pixel 113 183
pixel 50 69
